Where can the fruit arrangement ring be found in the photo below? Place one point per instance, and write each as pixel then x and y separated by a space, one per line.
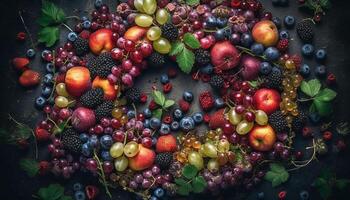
pixel 260 98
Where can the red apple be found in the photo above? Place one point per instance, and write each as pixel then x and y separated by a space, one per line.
pixel 267 100
pixel 77 81
pixel 262 138
pixel 251 67
pixel 265 32
pixel 224 55
pixel 143 159
pixel 101 41
pixel 109 89
pixel 135 33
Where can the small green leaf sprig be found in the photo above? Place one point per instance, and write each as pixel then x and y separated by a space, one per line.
pixel 52 192
pixel 161 101
pixel 318 6
pixel 190 181
pixel 30 166
pixel 277 174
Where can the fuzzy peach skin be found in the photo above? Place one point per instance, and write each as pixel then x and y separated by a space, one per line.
pixel 143 159
pixel 101 41
pixel 265 32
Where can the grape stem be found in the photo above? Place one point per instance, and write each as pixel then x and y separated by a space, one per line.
pixel 304 163
pixel 305 100
pixel 102 175
pixel 27 30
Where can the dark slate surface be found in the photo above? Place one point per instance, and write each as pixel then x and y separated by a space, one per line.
pixel 333 34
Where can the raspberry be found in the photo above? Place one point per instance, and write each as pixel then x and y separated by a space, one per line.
pixel 167 88
pixel 297 61
pixel 143 98
pixel 331 79
pixel 327 135
pixel 152 105
pixel 206 100
pixel 206 118
pixel 184 105
pixel 283 45
pixel 167 119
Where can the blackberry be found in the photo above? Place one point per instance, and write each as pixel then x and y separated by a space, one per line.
pixel 104 110
pixel 156 59
pixel 202 56
pixel 274 79
pixel 299 121
pixel 170 31
pixel 164 160
pixel 101 65
pixel 71 141
pixel 278 122
pixel 133 95
pixel 305 30
pixel 216 81
pixel 81 46
pixel 92 98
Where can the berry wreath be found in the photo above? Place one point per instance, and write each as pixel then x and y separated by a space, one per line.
pixel 90 101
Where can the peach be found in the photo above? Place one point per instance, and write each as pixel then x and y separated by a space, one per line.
pixel 143 159
pixel 101 41
pixel 77 81
pixel 109 89
pixel 135 33
pixel 265 32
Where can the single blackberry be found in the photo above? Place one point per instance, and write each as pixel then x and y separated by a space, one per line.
pixel 216 81
pixel 170 31
pixel 202 56
pixel 298 122
pixel 305 30
pixel 71 141
pixel 222 11
pixel 164 160
pixel 156 59
pixel 101 65
pixel 274 79
pixel 133 94
pixel 104 110
pixel 81 46
pixel 278 122
pixel 92 98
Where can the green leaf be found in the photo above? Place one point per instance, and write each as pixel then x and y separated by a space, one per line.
pixel 323 108
pixel 180 181
pixel 342 183
pixel 312 108
pixel 52 192
pixel 326 95
pixel 185 60
pixel 49 35
pixel 191 41
pixel 326 4
pixel 158 97
pixel 323 188
pixel 198 184
pixel 189 171
pixel 310 4
pixel 51 14
pixel 311 88
pixel 30 166
pixel 168 103
pixel 192 2
pixel 184 190
pixel 176 48
pixel 277 174
pixel 158 113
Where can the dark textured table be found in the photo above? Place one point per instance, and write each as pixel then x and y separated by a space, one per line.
pixel 333 34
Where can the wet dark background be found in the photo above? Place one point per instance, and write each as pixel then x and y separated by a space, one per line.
pixel 333 34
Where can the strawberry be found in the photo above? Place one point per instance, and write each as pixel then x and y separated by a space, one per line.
pixel 20 64
pixel 217 119
pixel 29 78
pixel 41 134
pixel 166 143
pixel 91 191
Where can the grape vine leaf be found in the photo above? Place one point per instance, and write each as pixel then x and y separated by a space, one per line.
pixel 176 48
pixel 185 60
pixel 192 2
pixel 49 35
pixel 191 41
pixel 52 192
pixel 184 187
pixel 199 184
pixel 311 88
pixel 189 171
pixel 51 15
pixel 277 174
pixel 30 166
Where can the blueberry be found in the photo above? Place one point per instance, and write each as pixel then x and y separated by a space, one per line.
pixel 304 195
pixel 146 123
pixel 131 114
pixel 98 3
pixel 84 137
pixel 211 21
pixel 277 21
pixel 154 123
pixel 246 40
pixel 164 129
pixel 219 103
pixel 106 141
pixel 272 54
pixel 305 70
pixel 321 55
pixel 158 192
pixel 221 22
pixel 187 124
pixel 307 49
pixel 147 112
pixel 257 48
pixel 45 52
pixel 77 187
pixel 164 79
pixel 284 34
pixel 86 24
pixel 153 198
pixel 175 125
pixel 219 34
pixel 261 195
pixel 40 102
pixel 50 68
pixel 177 114
pixel 314 117
pixel 46 91
pixel 188 96
pixel 208 69
pixel 321 71
pixel 289 21
pixel 48 79
pixel 197 117
pixel 30 53
pixel 265 68
pixel 86 149
pixel 79 195
pixel 106 156
pixel 93 141
pixel 72 36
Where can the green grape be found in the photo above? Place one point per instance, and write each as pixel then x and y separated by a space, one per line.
pixel 143 20
pixel 149 6
pixel 154 33
pixel 162 45
pixel 61 90
pixel 139 5
pixel 244 127
pixel 61 102
pixel 131 149
pixel 162 16
pixel 213 165
pixel 223 145
pixel 194 158
pixel 121 163
pixel 210 150
pixel 261 117
pixel 116 150
pixel 234 117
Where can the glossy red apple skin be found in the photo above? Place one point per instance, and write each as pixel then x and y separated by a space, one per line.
pixel 77 81
pixel 267 100
pixel 143 159
pixel 135 33
pixel 101 41
pixel 262 138
pixel 109 89
pixel 224 55
pixel 265 32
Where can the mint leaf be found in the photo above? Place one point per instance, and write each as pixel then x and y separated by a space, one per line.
pixel 277 174
pixel 176 48
pixel 323 108
pixel 49 35
pixel 192 2
pixel 158 113
pixel 326 95
pixel 185 60
pixel 158 97
pixel 52 192
pixel 198 184
pixel 191 41
pixel 311 88
pixel 30 166
pixel 189 171
pixel 168 103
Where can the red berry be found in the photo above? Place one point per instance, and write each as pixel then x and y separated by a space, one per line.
pixel 147 142
pixel 184 105
pixel 331 79
pixel 282 45
pixel 167 119
pixel 146 49
pixel 21 36
pixel 327 135
pixel 206 100
pixel 282 195
pixel 29 78
pixel 129 45
pixel 136 56
pixel 91 191
pixel 42 134
pixel 307 132
pixel 143 98
pixel 228 129
pixel 167 87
